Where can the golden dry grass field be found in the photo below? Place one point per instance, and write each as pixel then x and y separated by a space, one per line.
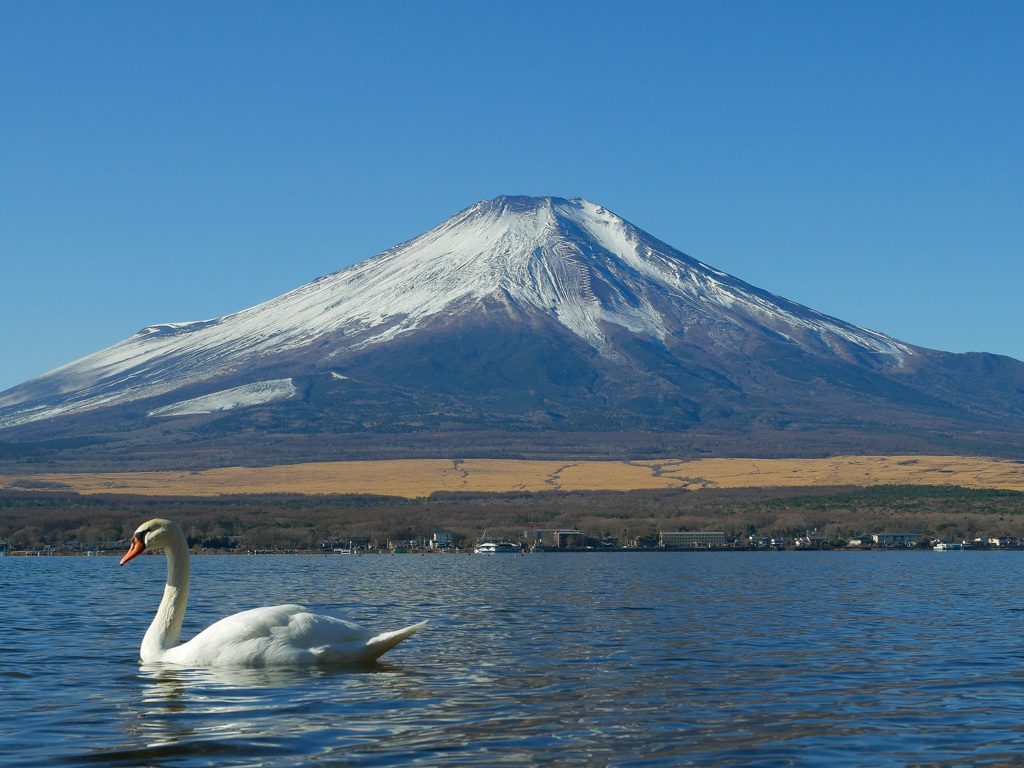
pixel 417 478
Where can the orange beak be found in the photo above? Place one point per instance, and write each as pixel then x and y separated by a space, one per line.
pixel 136 550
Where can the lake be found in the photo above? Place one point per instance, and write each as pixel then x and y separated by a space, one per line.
pixel 666 659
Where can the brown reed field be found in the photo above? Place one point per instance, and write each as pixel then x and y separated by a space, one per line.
pixel 421 477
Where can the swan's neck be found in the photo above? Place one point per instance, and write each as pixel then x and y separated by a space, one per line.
pixel 165 631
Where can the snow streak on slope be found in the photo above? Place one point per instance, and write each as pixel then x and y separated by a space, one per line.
pixel 226 400
pixel 570 259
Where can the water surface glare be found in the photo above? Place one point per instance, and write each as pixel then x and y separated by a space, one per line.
pixel 667 659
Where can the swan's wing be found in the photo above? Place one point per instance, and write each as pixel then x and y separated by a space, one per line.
pixel 284 634
pixel 371 649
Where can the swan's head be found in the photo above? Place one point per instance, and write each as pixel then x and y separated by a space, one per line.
pixel 155 534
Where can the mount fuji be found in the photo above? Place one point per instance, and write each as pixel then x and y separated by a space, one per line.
pixel 519 326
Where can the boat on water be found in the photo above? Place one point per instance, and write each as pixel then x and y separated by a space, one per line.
pixel 944 546
pixel 496 548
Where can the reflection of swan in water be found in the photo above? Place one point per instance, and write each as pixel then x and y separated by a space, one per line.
pixel 279 634
pixel 198 713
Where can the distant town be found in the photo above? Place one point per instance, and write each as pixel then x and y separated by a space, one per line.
pixel 44 522
pixel 555 541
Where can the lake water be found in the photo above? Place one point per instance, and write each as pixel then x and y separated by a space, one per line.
pixel 668 659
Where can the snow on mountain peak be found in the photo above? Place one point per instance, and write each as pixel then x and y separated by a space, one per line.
pixel 570 259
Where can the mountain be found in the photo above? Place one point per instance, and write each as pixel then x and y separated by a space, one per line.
pixel 519 326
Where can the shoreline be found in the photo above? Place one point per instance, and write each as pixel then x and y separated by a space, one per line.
pixel 537 551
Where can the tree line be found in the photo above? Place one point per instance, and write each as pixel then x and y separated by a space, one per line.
pixel 34 519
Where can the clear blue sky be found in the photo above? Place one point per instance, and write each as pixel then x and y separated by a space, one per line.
pixel 166 162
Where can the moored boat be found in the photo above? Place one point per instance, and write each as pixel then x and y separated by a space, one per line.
pixel 496 548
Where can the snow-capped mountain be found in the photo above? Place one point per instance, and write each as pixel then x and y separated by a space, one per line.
pixel 580 292
pixel 570 259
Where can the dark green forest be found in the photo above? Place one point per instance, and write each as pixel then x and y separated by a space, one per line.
pixel 35 519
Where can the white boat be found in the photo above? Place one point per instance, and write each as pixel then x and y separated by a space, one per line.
pixel 496 548
pixel 943 546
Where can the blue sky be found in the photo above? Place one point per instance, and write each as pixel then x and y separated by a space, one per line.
pixel 164 162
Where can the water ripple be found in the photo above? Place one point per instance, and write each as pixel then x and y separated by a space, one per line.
pixel 653 660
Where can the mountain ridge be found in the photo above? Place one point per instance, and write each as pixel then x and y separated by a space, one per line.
pixel 522 313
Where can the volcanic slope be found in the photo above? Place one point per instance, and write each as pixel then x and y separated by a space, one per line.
pixel 520 326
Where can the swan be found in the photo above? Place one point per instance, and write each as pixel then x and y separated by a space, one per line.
pixel 277 634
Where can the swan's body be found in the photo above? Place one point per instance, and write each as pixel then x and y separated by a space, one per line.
pixel 278 634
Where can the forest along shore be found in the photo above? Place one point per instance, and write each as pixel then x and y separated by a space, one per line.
pixel 65 521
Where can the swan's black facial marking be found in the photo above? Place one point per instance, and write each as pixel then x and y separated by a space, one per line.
pixel 139 543
pixel 142 533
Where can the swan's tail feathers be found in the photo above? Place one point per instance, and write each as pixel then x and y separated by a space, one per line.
pixel 384 642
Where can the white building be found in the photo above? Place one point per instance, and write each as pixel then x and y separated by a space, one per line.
pixel 896 539
pixel 813 539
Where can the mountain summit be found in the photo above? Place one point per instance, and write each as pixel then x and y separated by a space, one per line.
pixel 519 313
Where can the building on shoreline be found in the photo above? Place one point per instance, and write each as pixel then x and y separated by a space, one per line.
pixel 691 539
pixel 568 539
pixel 897 539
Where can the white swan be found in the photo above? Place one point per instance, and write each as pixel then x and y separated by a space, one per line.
pixel 278 634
